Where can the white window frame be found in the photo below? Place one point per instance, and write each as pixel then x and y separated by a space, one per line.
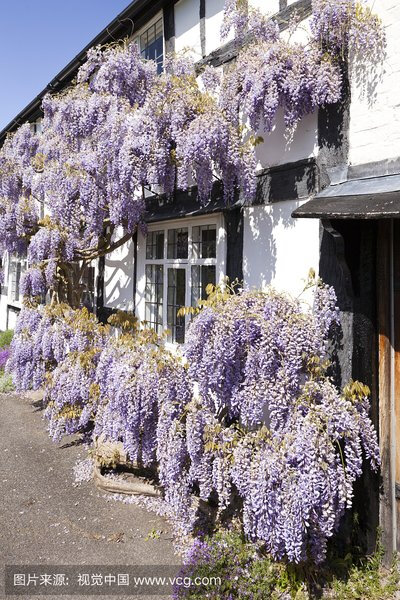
pixel 14 263
pixel 189 222
pixel 136 35
pixel 5 261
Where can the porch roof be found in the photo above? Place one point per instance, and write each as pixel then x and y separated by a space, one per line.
pixel 363 198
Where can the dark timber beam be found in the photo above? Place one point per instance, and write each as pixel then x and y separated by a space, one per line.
pixel 202 13
pixel 169 28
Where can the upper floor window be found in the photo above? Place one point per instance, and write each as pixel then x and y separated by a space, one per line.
pixel 177 261
pixel 36 126
pixel 151 43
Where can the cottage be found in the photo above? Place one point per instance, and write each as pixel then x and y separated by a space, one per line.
pixel 327 199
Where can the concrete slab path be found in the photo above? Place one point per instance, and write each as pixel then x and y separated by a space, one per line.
pixel 46 520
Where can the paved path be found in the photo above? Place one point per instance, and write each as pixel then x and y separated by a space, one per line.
pixel 44 519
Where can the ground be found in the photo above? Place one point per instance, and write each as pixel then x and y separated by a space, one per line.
pixel 46 520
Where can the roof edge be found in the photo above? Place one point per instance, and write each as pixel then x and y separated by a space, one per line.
pixel 115 27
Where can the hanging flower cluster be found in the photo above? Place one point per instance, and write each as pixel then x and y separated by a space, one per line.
pixel 249 413
pixel 346 25
pixel 269 423
pixel 43 338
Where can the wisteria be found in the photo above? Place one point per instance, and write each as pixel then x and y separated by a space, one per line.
pixel 347 25
pixel 74 192
pixel 44 337
pixel 249 411
pixel 269 421
pixel 248 415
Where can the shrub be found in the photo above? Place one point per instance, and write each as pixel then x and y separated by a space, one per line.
pixel 268 430
pixel 6 337
pixel 231 568
pixel 6 384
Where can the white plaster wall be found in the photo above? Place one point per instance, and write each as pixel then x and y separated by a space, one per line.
pixel 118 277
pixel 187 28
pixel 214 17
pixel 279 250
pixel 3 296
pixel 269 8
pixel 12 319
pixel 375 106
pixel 278 148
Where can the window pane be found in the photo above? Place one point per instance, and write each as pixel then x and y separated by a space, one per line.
pixel 202 276
pixel 205 241
pixel 152 44
pixel 176 300
pixel 178 243
pixel 88 288
pixel 154 296
pixel 155 245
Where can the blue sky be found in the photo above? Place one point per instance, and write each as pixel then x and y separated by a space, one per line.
pixel 38 38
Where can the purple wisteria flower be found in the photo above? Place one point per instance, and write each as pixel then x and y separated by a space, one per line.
pixel 4 354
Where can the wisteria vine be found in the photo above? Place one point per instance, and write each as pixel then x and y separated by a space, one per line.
pixel 74 192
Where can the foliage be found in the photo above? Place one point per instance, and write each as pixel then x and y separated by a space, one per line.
pixel 240 569
pixel 367 580
pixel 121 129
pixel 244 571
pixel 6 384
pixel 6 337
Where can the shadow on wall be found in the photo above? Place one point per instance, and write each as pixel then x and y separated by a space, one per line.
pixel 280 146
pixel 263 227
pixel 367 73
pixel 118 284
pixel 214 7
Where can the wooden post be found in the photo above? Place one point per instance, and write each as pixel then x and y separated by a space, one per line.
pixel 384 291
pixel 396 416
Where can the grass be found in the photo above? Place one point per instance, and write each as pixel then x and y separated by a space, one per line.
pixel 367 581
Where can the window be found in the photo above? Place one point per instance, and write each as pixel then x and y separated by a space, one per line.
pixel 87 281
pixel 176 262
pixel 151 43
pixel 36 126
pixel 16 268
